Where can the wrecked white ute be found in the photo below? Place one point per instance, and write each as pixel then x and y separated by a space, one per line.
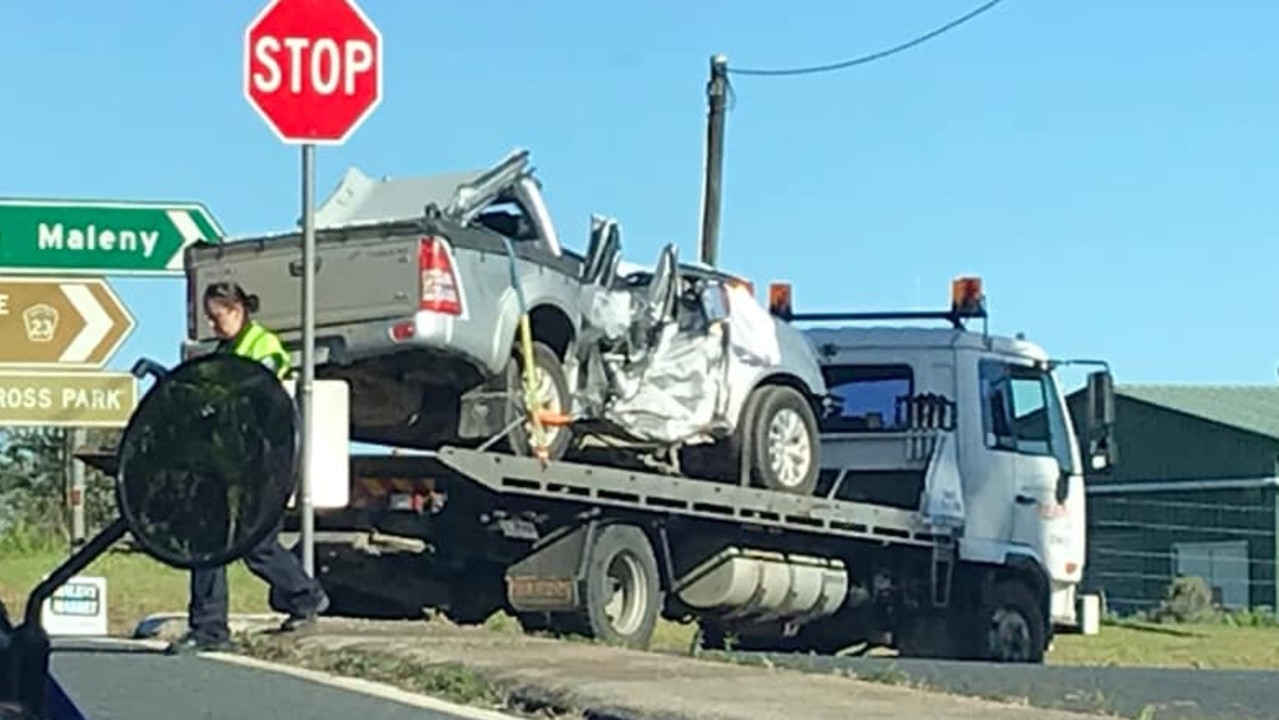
pixel 684 360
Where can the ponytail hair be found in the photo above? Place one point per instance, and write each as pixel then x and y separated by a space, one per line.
pixel 231 293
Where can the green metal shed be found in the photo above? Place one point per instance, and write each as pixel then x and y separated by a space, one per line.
pixel 1193 493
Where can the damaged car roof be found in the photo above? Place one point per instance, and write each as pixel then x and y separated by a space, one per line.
pixel 360 199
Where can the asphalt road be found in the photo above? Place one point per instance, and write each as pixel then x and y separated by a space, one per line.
pixel 110 683
pixel 1170 694
pixel 120 681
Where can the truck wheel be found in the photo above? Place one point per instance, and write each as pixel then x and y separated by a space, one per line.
pixel 1011 625
pixel 552 388
pixel 623 591
pixel 785 442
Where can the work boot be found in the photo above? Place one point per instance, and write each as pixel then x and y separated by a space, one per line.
pixel 195 643
pixel 297 622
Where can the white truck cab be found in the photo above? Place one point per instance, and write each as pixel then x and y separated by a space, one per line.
pixel 971 429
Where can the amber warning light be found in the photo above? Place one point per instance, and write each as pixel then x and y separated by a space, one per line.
pixel 966 297
pixel 779 299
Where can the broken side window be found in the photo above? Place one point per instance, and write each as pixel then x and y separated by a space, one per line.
pixel 508 218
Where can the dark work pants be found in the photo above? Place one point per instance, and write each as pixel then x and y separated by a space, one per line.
pixel 291 591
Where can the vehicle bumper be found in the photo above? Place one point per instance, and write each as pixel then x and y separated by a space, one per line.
pixel 447 334
pixel 1064 611
pixel 350 343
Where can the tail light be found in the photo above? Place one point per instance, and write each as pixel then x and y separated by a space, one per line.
pixel 438 284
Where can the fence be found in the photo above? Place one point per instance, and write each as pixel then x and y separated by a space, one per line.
pixel 1139 544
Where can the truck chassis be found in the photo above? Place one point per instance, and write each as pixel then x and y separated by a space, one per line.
pixel 604 552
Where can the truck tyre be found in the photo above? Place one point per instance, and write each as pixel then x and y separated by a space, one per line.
pixel 623 589
pixel 784 441
pixel 552 386
pixel 1010 625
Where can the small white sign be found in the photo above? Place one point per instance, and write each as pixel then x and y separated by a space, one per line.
pixel 330 461
pixel 77 609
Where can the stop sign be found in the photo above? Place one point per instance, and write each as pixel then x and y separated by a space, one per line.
pixel 313 69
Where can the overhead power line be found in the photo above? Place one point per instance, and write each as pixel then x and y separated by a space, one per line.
pixel 814 69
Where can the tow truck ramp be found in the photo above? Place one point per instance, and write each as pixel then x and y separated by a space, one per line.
pixel 652 492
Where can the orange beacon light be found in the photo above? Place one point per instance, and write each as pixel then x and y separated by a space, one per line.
pixel 966 297
pixel 779 300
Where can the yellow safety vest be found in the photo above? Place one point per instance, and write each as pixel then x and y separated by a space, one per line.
pixel 257 343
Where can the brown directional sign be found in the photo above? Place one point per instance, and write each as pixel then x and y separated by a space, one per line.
pixel 60 323
pixel 67 399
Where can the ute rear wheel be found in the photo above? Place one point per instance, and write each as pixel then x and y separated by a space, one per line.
pixel 552 390
pixel 784 441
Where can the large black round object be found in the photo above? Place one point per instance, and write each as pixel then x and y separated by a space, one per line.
pixel 208 461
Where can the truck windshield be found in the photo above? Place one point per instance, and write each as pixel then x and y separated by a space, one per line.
pixel 1023 412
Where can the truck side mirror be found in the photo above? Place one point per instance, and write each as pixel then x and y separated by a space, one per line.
pixel 1100 421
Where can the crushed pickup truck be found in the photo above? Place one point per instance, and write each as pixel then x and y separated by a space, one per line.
pixel 683 357
pixel 421 286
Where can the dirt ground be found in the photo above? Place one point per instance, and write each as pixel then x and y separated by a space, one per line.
pixel 544 677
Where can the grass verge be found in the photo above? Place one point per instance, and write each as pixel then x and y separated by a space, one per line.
pixel 451 681
pixel 1210 646
pixel 136 585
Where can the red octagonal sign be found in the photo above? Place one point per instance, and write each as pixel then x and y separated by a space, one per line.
pixel 313 69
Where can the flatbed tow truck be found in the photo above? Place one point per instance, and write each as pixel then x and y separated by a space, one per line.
pixel 949 520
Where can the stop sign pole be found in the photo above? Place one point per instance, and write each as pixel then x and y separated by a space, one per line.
pixel 313 71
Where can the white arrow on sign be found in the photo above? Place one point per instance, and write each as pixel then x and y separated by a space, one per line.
pixel 97 323
pixel 189 231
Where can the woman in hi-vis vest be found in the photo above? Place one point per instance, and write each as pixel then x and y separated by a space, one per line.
pixel 229 310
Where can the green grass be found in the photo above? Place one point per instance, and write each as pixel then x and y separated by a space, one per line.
pixel 136 585
pixel 454 682
pixel 1216 645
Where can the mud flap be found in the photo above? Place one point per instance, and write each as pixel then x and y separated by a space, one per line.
pixel 551 578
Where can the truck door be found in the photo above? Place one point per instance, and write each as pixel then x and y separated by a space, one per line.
pixel 1030 446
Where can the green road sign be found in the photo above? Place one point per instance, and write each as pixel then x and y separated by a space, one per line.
pixel 93 237
pixel 67 399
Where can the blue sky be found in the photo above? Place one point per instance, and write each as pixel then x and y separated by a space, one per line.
pixel 1109 168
